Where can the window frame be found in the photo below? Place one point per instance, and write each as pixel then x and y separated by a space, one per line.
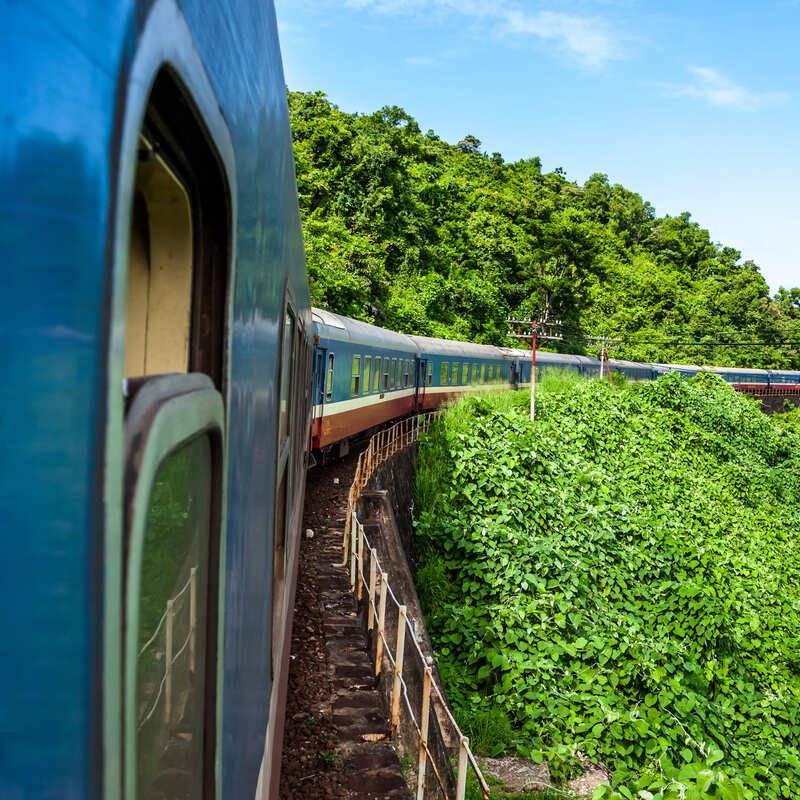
pixel 367 375
pixel 355 375
pixel 167 413
pixel 329 377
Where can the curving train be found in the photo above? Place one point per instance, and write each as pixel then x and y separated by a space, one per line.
pixel 365 376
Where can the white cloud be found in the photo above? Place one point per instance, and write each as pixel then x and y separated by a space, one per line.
pixel 712 86
pixel 588 39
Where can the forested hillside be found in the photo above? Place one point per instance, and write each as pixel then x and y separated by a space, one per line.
pixel 422 236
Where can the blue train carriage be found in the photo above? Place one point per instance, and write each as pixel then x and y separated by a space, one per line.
pixel 454 369
pixel 741 375
pixel 520 361
pixel 155 330
pixel 632 370
pixel 364 376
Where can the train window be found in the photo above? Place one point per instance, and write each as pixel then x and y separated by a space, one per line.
pixel 171 643
pixel 385 374
pixel 465 373
pixel 474 373
pixel 174 446
pixel 286 361
pixel 406 372
pixel 483 373
pixel 376 375
pixel 490 377
pixel 178 243
pixel 443 376
pixel 430 372
pixel 367 372
pixel 159 295
pixel 355 379
pixel 454 373
pixel 329 378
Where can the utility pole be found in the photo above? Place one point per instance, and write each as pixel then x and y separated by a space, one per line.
pixel 604 342
pixel 535 330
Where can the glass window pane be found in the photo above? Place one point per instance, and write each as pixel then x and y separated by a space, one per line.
pixel 385 373
pixel 286 362
pixel 355 380
pixel 329 379
pixel 367 372
pixel 465 373
pixel 170 675
pixel 430 373
pixel 376 380
pixel 443 376
pixel 483 373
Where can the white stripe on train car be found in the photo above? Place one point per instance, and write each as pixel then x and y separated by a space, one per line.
pixel 362 401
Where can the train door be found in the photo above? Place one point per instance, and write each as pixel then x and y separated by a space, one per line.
pixel 176 276
pixel 318 397
pixel 421 382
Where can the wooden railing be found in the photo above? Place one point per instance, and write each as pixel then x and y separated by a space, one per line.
pixel 370 583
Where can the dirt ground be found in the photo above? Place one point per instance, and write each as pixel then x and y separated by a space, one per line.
pixel 308 768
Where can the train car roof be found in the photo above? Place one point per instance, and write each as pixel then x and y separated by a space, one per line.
pixel 743 370
pixel 449 347
pixel 621 362
pixel 546 357
pixel 344 329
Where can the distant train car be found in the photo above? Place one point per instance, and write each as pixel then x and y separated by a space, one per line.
pixel 363 376
pixel 454 369
pixel 366 376
pixel 154 401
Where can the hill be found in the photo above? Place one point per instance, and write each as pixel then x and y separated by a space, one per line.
pixel 422 236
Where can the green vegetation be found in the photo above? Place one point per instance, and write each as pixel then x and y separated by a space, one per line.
pixel 422 236
pixel 622 579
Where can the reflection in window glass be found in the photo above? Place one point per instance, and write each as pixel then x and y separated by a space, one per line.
pixel 385 374
pixel 454 375
pixel 474 373
pixel 430 373
pixel 329 378
pixel 443 376
pixel 465 373
pixel 367 372
pixel 286 357
pixel 483 373
pixel 491 373
pixel 376 379
pixel 355 379
pixel 170 674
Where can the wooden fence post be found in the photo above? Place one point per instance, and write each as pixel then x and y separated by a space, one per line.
pixel 461 784
pixel 398 668
pixel 381 623
pixel 353 533
pixel 360 570
pixel 192 617
pixel 168 656
pixel 423 735
pixel 373 573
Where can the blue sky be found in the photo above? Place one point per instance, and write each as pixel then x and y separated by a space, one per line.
pixel 694 105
